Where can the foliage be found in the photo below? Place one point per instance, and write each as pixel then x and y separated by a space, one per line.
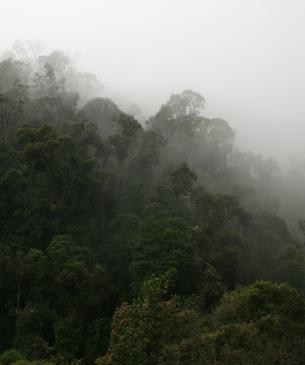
pixel 136 245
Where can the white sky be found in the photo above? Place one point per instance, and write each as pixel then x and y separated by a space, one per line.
pixel 247 57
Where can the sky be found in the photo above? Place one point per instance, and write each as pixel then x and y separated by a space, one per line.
pixel 246 57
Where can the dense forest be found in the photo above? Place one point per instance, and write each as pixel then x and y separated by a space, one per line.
pixel 131 242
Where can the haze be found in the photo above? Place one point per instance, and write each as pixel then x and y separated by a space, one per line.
pixel 246 57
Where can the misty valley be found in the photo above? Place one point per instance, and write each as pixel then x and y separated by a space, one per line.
pixel 135 240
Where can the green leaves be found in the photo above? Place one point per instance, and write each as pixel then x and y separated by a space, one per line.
pixel 101 218
pixel 161 244
pixel 141 331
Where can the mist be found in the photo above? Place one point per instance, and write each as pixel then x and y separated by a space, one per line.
pixel 246 58
pixel 152 182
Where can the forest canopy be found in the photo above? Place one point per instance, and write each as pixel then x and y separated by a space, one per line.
pixel 134 242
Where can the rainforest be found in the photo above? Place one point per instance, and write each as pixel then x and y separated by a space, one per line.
pixel 127 240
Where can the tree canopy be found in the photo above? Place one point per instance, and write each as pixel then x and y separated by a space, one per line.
pixel 123 242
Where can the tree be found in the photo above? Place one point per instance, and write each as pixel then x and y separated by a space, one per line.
pixel 186 103
pixel 11 72
pixel 160 244
pixel 30 329
pixel 289 267
pixel 142 331
pixel 10 357
pixel 10 114
pixel 259 324
pixel 103 112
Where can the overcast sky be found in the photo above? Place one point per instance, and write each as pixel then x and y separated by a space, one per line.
pixel 247 57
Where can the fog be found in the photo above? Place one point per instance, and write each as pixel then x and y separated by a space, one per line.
pixel 152 182
pixel 246 57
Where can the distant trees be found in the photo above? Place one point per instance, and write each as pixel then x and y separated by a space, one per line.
pixel 11 111
pixel 11 73
pixel 192 138
pixel 102 112
pixel 186 103
pixel 129 245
